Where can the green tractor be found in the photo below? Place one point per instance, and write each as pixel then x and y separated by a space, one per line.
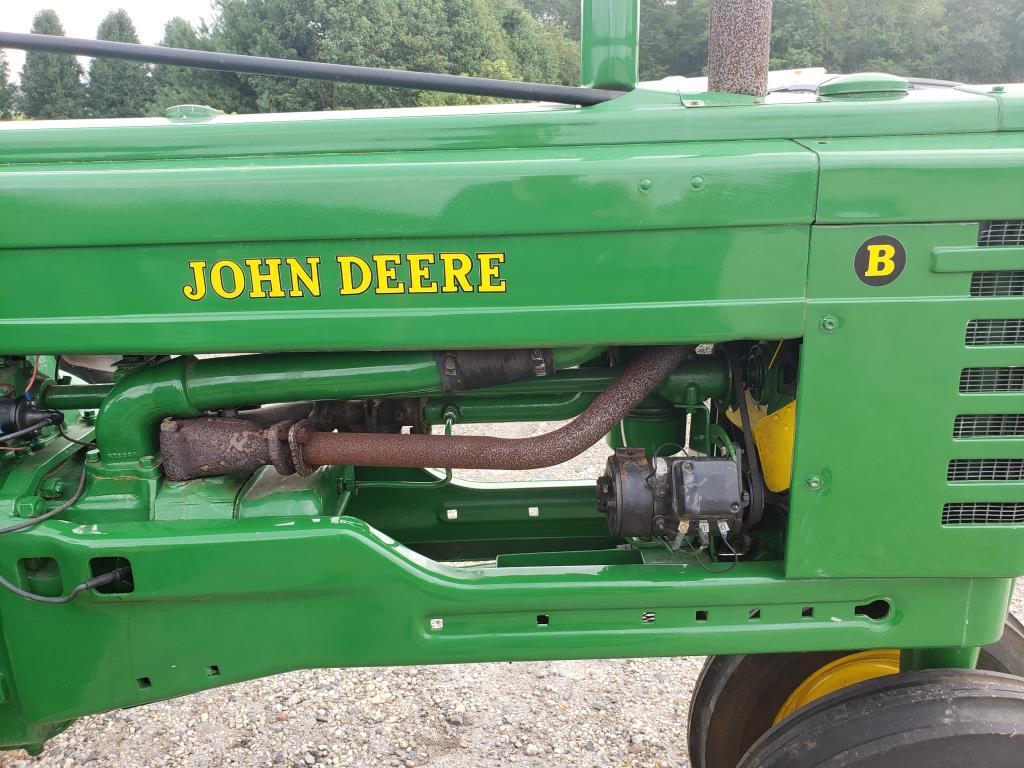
pixel 234 350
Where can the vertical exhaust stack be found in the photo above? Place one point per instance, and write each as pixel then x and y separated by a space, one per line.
pixel 609 39
pixel 739 46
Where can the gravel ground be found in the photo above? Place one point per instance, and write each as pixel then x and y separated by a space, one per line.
pixel 582 714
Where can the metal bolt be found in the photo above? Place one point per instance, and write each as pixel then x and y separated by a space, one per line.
pixel 828 323
pixel 814 483
pixel 688 466
pixel 52 488
pixel 147 462
pixel 645 184
pixel 92 455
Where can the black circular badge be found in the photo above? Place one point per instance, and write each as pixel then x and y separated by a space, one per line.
pixel 880 260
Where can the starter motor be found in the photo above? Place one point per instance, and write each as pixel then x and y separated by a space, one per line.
pixel 649 499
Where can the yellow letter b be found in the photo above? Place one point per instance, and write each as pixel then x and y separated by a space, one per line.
pixel 880 261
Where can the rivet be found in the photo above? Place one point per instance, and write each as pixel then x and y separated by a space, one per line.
pixel 697 182
pixel 645 184
pixel 828 323
pixel 814 483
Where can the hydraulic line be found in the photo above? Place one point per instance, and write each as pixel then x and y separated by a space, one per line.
pixel 315 70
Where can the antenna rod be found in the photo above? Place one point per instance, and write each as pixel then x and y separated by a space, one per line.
pixel 345 73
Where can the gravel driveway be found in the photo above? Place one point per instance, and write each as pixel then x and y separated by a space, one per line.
pixel 580 714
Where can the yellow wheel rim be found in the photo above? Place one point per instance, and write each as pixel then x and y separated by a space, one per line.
pixel 843 672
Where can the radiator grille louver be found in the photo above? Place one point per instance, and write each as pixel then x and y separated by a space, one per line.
pixel 995 379
pixel 988 425
pixel 985 470
pixel 1005 232
pixel 1007 283
pixel 1005 379
pixel 983 513
pixel 985 333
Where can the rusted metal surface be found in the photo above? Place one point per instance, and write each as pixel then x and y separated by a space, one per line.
pixel 210 446
pixel 217 445
pixel 477 452
pixel 475 368
pixel 739 45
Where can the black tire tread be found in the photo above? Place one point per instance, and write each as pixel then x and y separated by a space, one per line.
pixel 782 672
pixel 925 719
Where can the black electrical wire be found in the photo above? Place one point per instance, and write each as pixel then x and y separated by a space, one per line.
pixel 52 513
pixel 757 487
pixel 66 436
pixel 96 581
pixel 27 430
pixel 696 556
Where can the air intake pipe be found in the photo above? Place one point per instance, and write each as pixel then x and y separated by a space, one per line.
pixel 215 446
pixel 126 426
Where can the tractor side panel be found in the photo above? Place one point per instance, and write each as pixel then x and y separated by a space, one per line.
pixel 910 416
pixel 622 244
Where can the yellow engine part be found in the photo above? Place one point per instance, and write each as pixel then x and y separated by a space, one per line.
pixel 773 436
pixel 841 673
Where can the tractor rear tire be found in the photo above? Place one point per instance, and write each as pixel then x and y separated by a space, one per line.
pixel 739 698
pixel 935 718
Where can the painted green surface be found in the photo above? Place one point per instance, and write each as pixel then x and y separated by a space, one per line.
pixel 337 589
pixel 656 218
pixel 919 178
pixel 877 402
pixel 609 44
pixel 561 291
pixel 870 84
pixel 638 117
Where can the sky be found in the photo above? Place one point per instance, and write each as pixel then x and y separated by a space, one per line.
pixel 81 18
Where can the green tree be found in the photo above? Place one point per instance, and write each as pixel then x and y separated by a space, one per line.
pixel 8 91
pixel 118 88
pixel 981 41
pixel 51 84
pixel 183 85
pixel 489 38
pixel 563 15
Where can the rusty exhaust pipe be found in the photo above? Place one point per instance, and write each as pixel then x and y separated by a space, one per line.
pixel 210 446
pixel 477 452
